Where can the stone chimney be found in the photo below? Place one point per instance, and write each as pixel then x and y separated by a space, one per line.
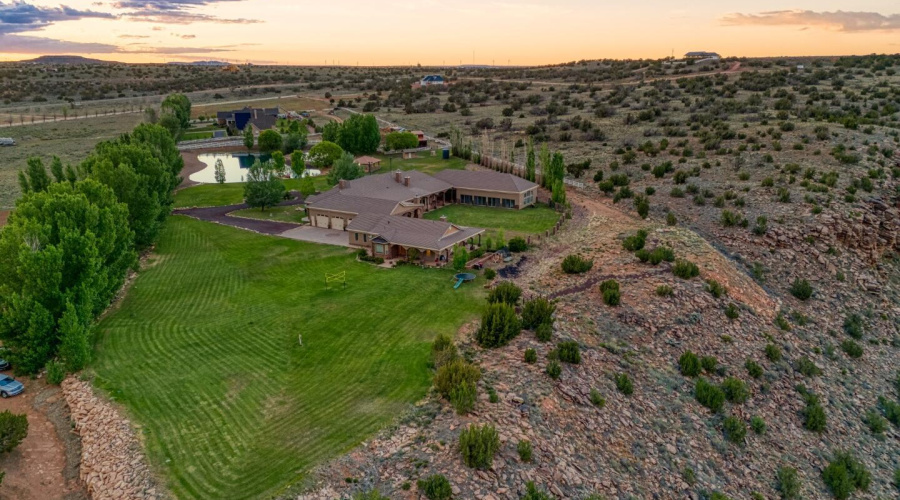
pixel 397 177
pixel 406 181
pixel 342 184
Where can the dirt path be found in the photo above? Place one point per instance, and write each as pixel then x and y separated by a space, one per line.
pixel 45 465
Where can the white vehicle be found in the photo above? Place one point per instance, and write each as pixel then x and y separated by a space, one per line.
pixel 7 141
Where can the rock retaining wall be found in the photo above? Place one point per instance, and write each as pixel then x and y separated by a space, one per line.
pixel 112 462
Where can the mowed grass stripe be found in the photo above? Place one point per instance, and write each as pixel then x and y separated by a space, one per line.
pixel 203 352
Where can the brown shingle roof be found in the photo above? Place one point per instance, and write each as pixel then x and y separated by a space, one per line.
pixel 485 180
pixel 409 232
pixel 367 160
pixel 378 194
pixel 334 200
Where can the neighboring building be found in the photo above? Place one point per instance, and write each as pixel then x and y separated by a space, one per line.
pixel 488 188
pixel 701 55
pixel 368 163
pixel 423 141
pixel 393 237
pixel 258 118
pixel 431 80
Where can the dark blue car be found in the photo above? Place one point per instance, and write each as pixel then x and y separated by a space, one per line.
pixel 10 387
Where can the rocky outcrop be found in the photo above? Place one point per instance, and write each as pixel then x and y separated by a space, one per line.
pixel 112 463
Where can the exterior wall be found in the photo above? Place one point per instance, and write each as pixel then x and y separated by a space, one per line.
pixel 360 240
pixel 518 199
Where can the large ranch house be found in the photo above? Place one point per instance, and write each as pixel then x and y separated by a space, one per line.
pixel 383 213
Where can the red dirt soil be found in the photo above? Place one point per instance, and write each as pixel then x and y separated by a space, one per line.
pixel 4 214
pixel 37 469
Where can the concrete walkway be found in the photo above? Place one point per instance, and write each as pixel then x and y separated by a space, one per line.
pixel 318 235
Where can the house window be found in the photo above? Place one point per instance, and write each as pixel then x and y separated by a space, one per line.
pixel 379 248
pixel 528 199
pixel 465 198
pixel 507 203
pixel 494 202
pixel 481 200
pixel 356 235
pixel 365 238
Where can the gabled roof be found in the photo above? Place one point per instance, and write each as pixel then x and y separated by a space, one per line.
pixel 386 187
pixel 367 160
pixel 485 180
pixel 409 232
pixel 334 201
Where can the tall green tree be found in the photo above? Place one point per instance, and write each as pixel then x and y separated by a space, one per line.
pixel 557 168
pixel 324 154
pixel 331 132
pixel 360 134
pixel 278 162
pixel 298 163
pixel 263 188
pixel 269 140
pixel 35 177
pixel 345 168
pixel 530 161
pixel 56 168
pixel 249 140
pixel 396 141
pixel 220 172
pixel 179 106
pixel 67 246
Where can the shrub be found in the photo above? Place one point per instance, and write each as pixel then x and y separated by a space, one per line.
pixel 685 269
pixel 489 274
pixel 664 291
pixel 735 390
pixel 454 374
pixel 505 292
pixel 852 349
pixel 758 424
pixel 808 368
pixel 735 430
pixel 876 423
pixel 845 474
pixel 787 483
pixel 635 242
pixel 624 385
pixel 814 418
pixel 709 363
pixel 611 294
pixel 530 356
pixel 533 493
pixel 56 372
pixel 536 312
pixel 731 311
pixel 370 495
pixel 801 289
pixel 525 451
pixel 596 399
pixel 436 487
pixel 13 429
pixel 715 288
pixel 853 326
pixel 517 244
pixel 689 364
pixel 753 368
pixel 773 352
pixel 554 369
pixel 463 397
pixel 576 264
pixel 569 352
pixel 544 332
pixel 499 325
pixel 442 351
pixel 709 395
pixel 478 445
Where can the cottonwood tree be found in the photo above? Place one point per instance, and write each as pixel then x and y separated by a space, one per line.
pixel 263 188
pixel 345 168
pixel 269 140
pixel 248 137
pixel 220 172
pixel 400 140
pixel 298 163
pixel 360 134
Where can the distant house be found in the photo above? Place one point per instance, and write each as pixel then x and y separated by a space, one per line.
pixel 694 56
pixel 368 163
pixel 423 141
pixel 431 80
pixel 258 118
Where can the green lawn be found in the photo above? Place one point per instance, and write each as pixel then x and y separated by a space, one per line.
pixel 424 163
pixel 281 214
pixel 216 195
pixel 203 353
pixel 196 134
pixel 532 220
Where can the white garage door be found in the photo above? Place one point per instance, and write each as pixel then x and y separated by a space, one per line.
pixel 322 221
pixel 337 223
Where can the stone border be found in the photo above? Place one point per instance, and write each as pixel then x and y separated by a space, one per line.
pixel 113 465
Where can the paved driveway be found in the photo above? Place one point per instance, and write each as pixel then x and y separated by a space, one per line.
pixel 318 235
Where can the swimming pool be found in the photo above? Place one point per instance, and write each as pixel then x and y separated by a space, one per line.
pixel 236 166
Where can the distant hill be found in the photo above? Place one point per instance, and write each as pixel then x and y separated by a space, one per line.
pixel 66 60
pixel 202 63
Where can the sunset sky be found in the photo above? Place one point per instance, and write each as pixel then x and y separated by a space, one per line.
pixel 436 32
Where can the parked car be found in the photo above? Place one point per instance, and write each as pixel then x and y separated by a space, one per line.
pixel 4 364
pixel 10 386
pixel 7 141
